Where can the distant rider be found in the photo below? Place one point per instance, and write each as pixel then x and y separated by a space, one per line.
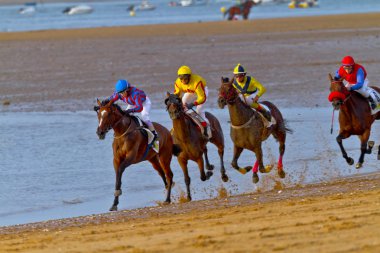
pixel 137 102
pixel 250 90
pixel 194 92
pixel 356 77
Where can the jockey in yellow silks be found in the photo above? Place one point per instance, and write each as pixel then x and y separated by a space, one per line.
pixel 193 90
pixel 250 90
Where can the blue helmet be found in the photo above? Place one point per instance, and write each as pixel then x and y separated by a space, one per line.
pixel 121 85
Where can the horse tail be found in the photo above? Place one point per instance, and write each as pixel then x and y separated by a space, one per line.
pixel 176 149
pixel 284 127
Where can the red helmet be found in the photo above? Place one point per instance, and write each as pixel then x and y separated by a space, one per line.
pixel 348 61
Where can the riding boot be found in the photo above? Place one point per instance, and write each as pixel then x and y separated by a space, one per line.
pixel 265 113
pixel 372 102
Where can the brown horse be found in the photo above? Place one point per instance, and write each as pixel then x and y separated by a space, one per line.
pixel 354 118
pixel 248 130
pixel 130 145
pixel 242 9
pixel 191 141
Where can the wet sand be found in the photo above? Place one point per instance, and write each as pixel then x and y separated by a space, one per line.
pixel 66 70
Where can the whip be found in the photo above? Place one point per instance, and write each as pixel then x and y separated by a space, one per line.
pixel 332 121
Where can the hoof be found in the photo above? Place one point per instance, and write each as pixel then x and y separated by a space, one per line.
pixel 255 178
pixel 117 193
pixel 350 161
pixel 267 169
pixel 281 173
pixel 358 165
pixel 225 178
pixel 203 177
pixel 210 167
pixel 241 170
pixel 113 208
pixel 209 174
pixel 166 202
pixel 371 144
pixel 247 168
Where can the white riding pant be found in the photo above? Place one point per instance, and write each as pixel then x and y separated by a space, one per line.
pixel 191 98
pixel 365 90
pixel 249 100
pixel 145 112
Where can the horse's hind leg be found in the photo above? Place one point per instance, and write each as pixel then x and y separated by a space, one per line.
pixel 222 169
pixel 281 137
pixel 378 153
pixel 163 173
pixel 208 165
pixel 339 139
pixel 363 148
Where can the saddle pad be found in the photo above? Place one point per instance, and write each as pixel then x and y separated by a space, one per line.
pixel 266 122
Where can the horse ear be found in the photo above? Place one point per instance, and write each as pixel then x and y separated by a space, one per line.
pixel 167 94
pixel 98 101
pixel 330 77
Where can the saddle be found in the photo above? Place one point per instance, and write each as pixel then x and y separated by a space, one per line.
pixel 200 122
pixel 146 132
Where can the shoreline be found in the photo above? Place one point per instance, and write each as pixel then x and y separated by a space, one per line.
pixel 277 25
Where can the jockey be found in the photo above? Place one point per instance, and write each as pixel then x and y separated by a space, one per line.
pixel 194 92
pixel 250 90
pixel 137 102
pixel 356 77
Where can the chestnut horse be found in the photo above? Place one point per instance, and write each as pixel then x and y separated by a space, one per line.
pixel 248 130
pixel 192 143
pixel 354 118
pixel 242 9
pixel 130 145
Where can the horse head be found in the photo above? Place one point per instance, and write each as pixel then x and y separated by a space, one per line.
pixel 173 105
pixel 338 92
pixel 108 115
pixel 227 93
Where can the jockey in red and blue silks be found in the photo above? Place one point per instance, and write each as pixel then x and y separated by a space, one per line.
pixel 137 100
pixel 356 77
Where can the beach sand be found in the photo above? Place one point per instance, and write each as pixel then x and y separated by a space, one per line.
pixel 67 70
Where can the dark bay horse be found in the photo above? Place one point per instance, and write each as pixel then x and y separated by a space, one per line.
pixel 130 146
pixel 242 9
pixel 191 140
pixel 354 118
pixel 248 130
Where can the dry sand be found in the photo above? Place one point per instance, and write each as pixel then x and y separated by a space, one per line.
pixel 66 70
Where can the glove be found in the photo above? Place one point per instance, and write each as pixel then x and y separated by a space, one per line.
pixel 190 105
pixel 129 111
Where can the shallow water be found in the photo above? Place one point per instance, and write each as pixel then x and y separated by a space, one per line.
pixel 114 13
pixel 53 165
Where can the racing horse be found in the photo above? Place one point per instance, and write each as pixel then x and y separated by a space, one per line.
pixel 355 118
pixel 248 130
pixel 192 143
pixel 130 145
pixel 241 9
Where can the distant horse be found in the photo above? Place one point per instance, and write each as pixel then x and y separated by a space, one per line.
pixel 190 138
pixel 248 130
pixel 242 9
pixel 130 145
pixel 354 118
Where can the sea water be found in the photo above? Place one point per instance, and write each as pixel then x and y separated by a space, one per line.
pixel 114 13
pixel 53 165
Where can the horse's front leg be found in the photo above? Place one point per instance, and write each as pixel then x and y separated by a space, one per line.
pixel 339 139
pixel 234 163
pixel 201 167
pixel 183 163
pixel 222 169
pixel 363 147
pixel 119 169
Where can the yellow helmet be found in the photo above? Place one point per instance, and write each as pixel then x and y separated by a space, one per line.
pixel 184 70
pixel 239 69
